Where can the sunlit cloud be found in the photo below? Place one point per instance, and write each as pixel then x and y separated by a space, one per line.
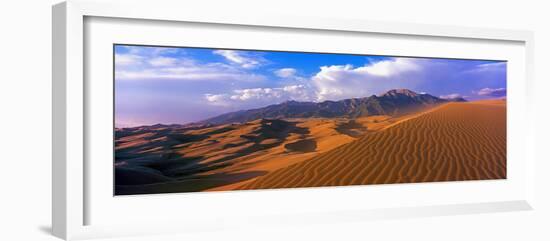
pixel 163 61
pixel 240 58
pixel 488 67
pixel 498 92
pixel 276 95
pixel 128 59
pixel 155 63
pixel 346 81
pixel 188 73
pixel 285 72
pixel 391 67
pixel 451 96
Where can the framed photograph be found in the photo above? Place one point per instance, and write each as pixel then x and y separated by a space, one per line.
pixel 178 121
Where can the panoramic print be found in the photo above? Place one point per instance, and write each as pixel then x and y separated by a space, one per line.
pixel 192 119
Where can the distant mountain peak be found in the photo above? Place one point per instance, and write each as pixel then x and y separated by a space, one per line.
pixel 457 99
pixel 291 102
pixel 395 92
pixel 394 102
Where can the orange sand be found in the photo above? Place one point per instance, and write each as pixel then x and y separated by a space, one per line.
pixel 453 142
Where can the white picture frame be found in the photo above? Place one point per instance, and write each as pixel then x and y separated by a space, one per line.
pixel 71 190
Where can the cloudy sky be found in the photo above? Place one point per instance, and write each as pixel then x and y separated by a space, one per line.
pixel 181 85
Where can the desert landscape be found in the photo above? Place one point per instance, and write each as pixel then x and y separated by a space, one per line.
pixel 399 136
pixel 452 142
pixel 196 119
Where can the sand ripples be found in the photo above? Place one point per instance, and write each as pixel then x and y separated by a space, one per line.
pixel 457 141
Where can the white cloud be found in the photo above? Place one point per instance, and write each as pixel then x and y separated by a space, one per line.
pixel 239 58
pixel 151 63
pixel 492 65
pixel 220 99
pixel 256 93
pixel 294 89
pixel 166 50
pixel 187 74
pixel 127 59
pixel 151 51
pixel 285 72
pixel 498 92
pixel 163 61
pixel 345 81
pixel 262 95
pixel 451 96
pixel 389 68
pixel 488 67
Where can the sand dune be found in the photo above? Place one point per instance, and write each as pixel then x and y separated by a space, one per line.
pixel 451 142
pixel 455 141
pixel 225 157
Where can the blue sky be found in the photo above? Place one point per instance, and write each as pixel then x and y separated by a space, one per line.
pixel 181 85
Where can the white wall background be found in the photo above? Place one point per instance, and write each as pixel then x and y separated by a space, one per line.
pixel 25 107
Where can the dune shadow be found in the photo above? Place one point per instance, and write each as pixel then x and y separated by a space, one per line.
pixel 165 170
pixel 156 141
pixel 351 128
pixel 307 145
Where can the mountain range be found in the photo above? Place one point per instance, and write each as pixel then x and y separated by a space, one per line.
pixel 394 102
